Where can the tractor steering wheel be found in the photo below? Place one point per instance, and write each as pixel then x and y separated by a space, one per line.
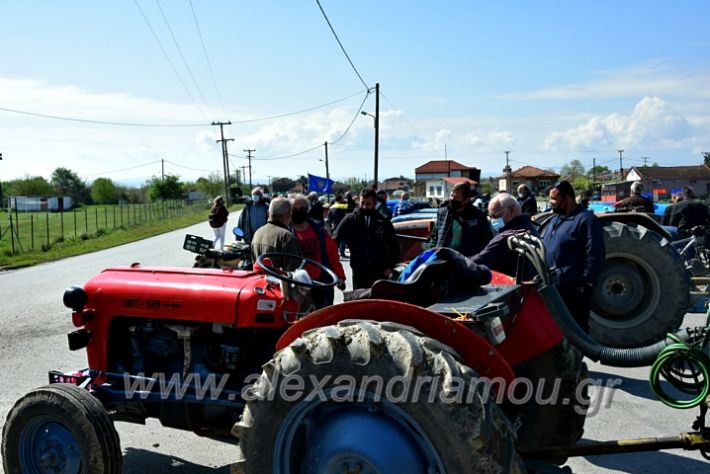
pixel 302 262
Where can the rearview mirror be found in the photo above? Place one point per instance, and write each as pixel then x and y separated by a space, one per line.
pixel 238 233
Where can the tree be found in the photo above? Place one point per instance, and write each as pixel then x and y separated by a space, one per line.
pixel 67 183
pixel 706 158
pixel 211 186
pixel 168 187
pixel 103 191
pixel 29 186
pixel 572 170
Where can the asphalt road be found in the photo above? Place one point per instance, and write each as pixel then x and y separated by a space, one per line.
pixel 34 324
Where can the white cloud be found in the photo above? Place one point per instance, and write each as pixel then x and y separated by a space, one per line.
pixel 653 123
pixel 655 78
pixel 489 139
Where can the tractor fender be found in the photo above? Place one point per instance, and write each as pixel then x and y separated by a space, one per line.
pixel 476 351
pixel 638 218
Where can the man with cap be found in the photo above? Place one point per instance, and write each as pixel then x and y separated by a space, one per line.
pixel 381 205
pixel 460 225
pixel 574 243
pixel 636 200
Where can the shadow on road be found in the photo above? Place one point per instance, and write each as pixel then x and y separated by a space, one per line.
pixel 636 387
pixel 140 461
pixel 650 462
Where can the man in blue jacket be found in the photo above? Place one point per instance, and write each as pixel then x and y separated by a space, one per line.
pixel 574 243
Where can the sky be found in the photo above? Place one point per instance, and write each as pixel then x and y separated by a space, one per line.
pixel 109 89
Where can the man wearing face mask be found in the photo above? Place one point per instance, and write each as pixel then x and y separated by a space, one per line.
pixel 508 218
pixel 574 243
pixel 460 225
pixel 374 250
pixel 404 206
pixel 254 215
pixel 316 245
pixel 527 201
pixel 381 205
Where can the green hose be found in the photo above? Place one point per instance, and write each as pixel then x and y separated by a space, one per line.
pixel 665 365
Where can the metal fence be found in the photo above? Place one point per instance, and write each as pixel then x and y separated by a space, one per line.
pixel 30 231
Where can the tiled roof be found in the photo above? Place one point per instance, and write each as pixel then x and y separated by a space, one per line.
pixel 442 166
pixel 458 180
pixel 673 172
pixel 531 172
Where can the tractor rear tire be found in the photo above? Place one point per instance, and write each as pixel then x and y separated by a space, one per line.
pixel 644 290
pixel 60 428
pixel 440 434
pixel 557 378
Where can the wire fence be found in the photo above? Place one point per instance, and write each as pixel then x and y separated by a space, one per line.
pixel 31 231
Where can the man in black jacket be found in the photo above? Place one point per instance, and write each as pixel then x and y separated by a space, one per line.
pixel 372 242
pixel 460 225
pixel 527 201
pixel 689 213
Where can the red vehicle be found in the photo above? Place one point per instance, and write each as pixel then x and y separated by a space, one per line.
pixel 228 353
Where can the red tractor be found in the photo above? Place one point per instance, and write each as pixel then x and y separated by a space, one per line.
pixel 449 378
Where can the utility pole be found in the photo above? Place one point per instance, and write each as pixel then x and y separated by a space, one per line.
pixel 377 127
pixel 327 172
pixel 162 169
pixel 508 173
pixel 225 159
pixel 621 165
pixel 448 163
pixel 645 160
pixel 594 174
pixel 244 173
pixel 249 152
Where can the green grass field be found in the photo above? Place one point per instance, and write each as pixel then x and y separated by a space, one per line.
pixel 37 237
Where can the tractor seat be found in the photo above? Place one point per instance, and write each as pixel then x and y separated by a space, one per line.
pixel 424 287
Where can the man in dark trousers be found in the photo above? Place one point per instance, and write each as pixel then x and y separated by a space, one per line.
pixel 574 243
pixel 460 225
pixel 527 201
pixel 372 242
pixel 497 256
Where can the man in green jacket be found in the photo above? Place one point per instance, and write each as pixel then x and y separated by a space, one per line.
pixel 275 235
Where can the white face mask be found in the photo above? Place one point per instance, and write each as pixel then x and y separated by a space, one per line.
pixel 521 195
pixel 497 223
pixel 256 198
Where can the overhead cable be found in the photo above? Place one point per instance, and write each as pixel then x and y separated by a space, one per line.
pixel 184 61
pixel 122 169
pixel 341 45
pixel 157 40
pixel 207 58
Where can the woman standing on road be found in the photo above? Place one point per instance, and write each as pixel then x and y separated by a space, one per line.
pixel 218 221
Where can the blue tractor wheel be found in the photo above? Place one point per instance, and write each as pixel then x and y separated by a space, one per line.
pixel 60 428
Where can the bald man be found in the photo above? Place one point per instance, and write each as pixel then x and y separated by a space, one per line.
pixel 506 214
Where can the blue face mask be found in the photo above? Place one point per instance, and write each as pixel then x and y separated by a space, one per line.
pixel 497 223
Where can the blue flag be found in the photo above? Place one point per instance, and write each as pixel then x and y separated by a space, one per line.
pixel 319 184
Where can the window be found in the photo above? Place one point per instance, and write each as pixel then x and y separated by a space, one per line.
pixel 438 191
pixel 431 190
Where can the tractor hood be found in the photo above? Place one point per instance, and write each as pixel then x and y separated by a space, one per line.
pixel 208 295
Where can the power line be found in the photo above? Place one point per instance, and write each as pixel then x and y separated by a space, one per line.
pixel 133 124
pixel 438 153
pixel 207 58
pixel 309 109
pixel 150 27
pixel 187 66
pixel 353 120
pixel 122 169
pixel 102 122
pixel 187 167
pixel 281 157
pixel 341 45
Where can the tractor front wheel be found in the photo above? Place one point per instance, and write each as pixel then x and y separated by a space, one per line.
pixel 364 396
pixel 60 428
